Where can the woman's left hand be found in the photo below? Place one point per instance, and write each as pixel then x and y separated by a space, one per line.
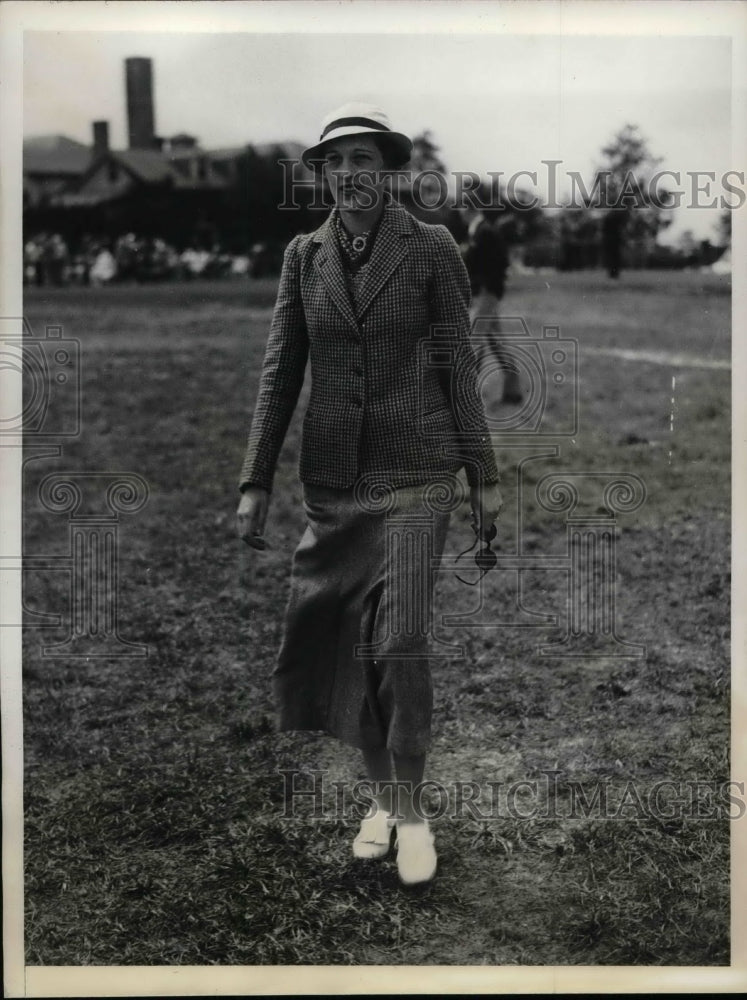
pixel 486 502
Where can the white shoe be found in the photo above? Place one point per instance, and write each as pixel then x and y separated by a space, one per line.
pixel 374 836
pixel 416 853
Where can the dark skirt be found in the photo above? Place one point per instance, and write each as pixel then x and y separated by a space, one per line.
pixel 354 657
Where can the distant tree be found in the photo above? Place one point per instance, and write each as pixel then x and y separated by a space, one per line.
pixel 426 154
pixel 688 247
pixel 518 217
pixel 252 214
pixel 723 228
pixel 624 184
pixel 427 194
pixel 627 153
pixel 687 242
pixel 578 234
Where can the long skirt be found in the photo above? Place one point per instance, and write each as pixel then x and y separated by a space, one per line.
pixel 353 661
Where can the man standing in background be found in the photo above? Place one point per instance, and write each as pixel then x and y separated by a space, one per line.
pixel 487 261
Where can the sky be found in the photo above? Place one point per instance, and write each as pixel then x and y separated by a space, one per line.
pixel 493 102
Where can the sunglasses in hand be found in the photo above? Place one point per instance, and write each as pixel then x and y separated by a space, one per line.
pixel 485 558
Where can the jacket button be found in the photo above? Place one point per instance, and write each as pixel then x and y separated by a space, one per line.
pixel 357 401
pixel 357 370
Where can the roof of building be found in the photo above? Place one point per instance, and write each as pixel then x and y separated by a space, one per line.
pixel 189 153
pixel 226 153
pixel 149 165
pixel 185 168
pixel 55 154
pixel 289 149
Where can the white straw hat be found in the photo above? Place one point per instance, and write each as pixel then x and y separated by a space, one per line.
pixel 356 118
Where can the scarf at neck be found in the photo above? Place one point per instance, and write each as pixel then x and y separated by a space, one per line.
pixel 355 249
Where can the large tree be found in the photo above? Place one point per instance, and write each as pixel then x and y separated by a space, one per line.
pixel 627 191
pixel 425 194
pixel 426 155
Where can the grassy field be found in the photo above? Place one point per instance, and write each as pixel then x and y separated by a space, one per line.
pixel 153 795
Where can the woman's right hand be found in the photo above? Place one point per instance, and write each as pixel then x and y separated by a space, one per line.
pixel 251 516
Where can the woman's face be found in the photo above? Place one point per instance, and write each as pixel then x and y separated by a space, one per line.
pixel 354 168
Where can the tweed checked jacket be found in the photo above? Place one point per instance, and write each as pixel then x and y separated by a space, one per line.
pixel 380 403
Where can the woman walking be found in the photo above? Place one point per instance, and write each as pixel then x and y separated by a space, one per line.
pixel 359 297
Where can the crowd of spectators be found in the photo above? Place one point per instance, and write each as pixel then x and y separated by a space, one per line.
pixel 48 259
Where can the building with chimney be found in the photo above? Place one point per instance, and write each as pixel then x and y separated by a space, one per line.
pixel 140 110
pixel 52 164
pixel 169 187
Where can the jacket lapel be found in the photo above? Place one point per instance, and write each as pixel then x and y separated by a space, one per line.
pixel 389 249
pixel 328 265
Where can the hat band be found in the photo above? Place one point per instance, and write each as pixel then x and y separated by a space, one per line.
pixel 365 122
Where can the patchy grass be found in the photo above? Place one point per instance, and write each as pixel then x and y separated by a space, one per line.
pixel 155 831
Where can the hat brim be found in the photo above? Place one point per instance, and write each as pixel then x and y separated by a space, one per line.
pixel 399 143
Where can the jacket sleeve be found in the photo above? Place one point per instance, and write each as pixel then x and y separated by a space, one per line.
pixel 450 297
pixel 281 380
